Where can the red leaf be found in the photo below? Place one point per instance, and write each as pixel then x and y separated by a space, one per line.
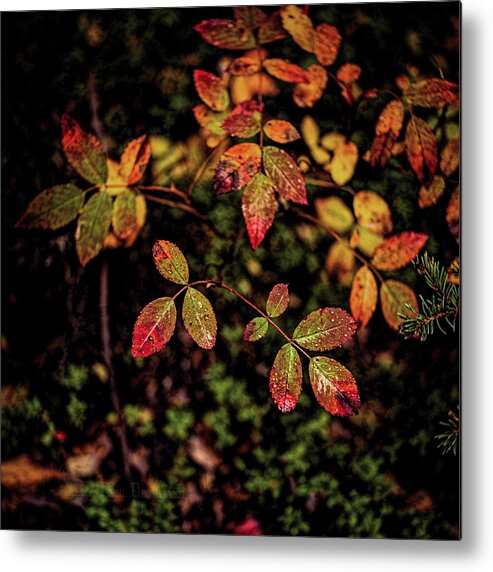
pixel 334 386
pixel 327 44
pixel 286 377
pixel 211 90
pixel 154 327
pixel 278 300
pixel 236 167
pixel 249 527
pixel 285 71
pixel 134 160
pixel 387 131
pixel 285 175
pixel 398 250
pixel 226 34
pixel 421 148
pixel 259 208
pixel 325 329
pixel 83 151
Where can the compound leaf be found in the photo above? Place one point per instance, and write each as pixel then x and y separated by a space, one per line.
pixel 398 250
pixel 83 151
pixel 199 319
pixel 170 262
pixel 154 327
pixel 92 226
pixel 53 208
pixel 325 329
pixel 286 377
pixel 334 386
pixel 284 174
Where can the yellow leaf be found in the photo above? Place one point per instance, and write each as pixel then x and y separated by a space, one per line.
pixel 394 296
pixel 334 213
pixel 340 263
pixel 372 212
pixel 364 295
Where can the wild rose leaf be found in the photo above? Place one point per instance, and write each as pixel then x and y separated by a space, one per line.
pixel 209 119
pixel 334 213
pixel 343 163
pixel 398 250
pixel 236 167
pixel 394 296
pixel 286 377
pixel 154 327
pixel 421 148
pixel 134 160
pixel 249 16
pixel 83 151
pixel 281 131
pixel 285 71
pixel 327 44
pixel 307 94
pixel 340 263
pixel 170 262
pixel 259 207
pixel 334 386
pixel 365 240
pixel 284 174
pixel 199 319
pixel 140 218
pixel 453 214
pixel 387 130
pixel 430 194
pixel 364 295
pixel 325 329
pixel 53 208
pixel 278 300
pixel 244 120
pixel 226 34
pixel 211 90
pixel 271 30
pixel 124 216
pixel 299 26
pixel 449 161
pixel 248 64
pixel 431 93
pixel 349 73
pixel 255 329
pixel 92 227
pixel 372 212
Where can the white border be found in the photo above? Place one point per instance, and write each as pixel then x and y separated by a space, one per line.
pixel 82 551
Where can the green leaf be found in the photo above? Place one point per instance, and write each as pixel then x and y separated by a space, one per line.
pixel 325 329
pixel 285 174
pixel 84 152
pixel 170 261
pixel 278 300
pixel 124 217
pixel 199 319
pixel 53 208
pixel 286 377
pixel 154 327
pixel 255 329
pixel 93 225
pixel 334 386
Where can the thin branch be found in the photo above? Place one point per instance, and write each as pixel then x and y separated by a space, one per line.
pixel 172 190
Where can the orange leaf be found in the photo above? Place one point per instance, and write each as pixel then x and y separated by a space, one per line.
pixel 249 16
pixel 307 94
pixel 244 120
pixel 248 64
pixel 364 295
pixel 449 161
pixel 259 207
pixel 327 44
pixel 453 214
pixel 398 250
pixel 284 174
pixel 349 73
pixel 340 263
pixel 394 296
pixel 226 34
pixel 325 329
pixel 421 148
pixel 211 90
pixel 430 194
pixel 334 386
pixel 372 212
pixel 431 93
pixel 281 131
pixel 134 160
pixel 286 377
pixel 285 71
pixel 387 130
pixel 299 26
pixel 83 151
pixel 236 167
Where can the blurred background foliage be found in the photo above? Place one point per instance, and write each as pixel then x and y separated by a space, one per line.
pixel 209 449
